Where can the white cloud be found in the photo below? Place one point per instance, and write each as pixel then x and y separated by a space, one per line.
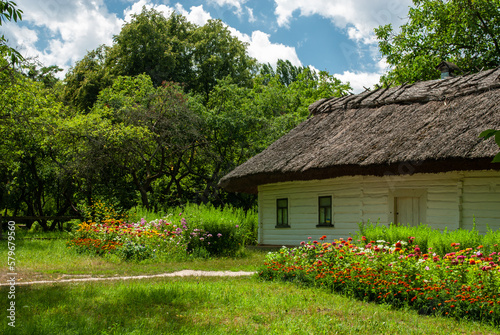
pixel 251 18
pixel 73 28
pixel 360 80
pixel 136 8
pixel 359 17
pixel 197 15
pixel 262 49
pixel 237 4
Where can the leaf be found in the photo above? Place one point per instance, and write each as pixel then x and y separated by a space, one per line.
pixel 496 159
pixel 487 133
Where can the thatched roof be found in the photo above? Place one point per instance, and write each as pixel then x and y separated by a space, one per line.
pixel 430 126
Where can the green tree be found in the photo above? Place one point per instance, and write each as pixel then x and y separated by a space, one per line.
pixel 465 32
pixel 286 72
pixel 87 78
pixel 9 12
pixel 155 45
pixel 143 131
pixel 218 55
pixel 33 181
pixel 242 121
pixel 44 74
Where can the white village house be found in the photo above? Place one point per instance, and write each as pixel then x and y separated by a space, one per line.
pixel 409 154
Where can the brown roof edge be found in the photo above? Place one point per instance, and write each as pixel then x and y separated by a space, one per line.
pixel 250 183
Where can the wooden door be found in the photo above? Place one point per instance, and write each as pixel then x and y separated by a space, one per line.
pixel 407 210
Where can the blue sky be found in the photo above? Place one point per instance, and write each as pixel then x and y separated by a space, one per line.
pixel 332 35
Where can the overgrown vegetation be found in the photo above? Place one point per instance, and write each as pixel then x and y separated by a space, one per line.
pixel 405 271
pixel 193 231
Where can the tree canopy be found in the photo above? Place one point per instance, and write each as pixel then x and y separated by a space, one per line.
pixel 9 12
pixel 465 32
pixel 155 119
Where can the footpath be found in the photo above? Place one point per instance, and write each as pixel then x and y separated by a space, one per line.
pixel 182 273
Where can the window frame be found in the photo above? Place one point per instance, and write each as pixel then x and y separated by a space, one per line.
pixel 283 210
pixel 330 208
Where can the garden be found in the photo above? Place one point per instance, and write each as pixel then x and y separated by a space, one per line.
pixel 388 280
pixel 405 267
pixel 195 232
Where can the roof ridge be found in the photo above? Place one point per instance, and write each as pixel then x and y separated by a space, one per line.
pixel 424 91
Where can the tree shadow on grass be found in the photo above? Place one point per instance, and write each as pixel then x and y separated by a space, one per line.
pixel 97 308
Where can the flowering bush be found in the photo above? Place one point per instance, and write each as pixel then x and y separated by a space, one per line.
pixel 130 240
pixel 463 284
pixel 216 240
pixel 156 239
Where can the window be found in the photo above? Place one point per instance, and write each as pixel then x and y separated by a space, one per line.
pixel 325 211
pixel 282 213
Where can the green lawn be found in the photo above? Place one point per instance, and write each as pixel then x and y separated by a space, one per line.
pixel 190 305
pixel 51 259
pixel 210 306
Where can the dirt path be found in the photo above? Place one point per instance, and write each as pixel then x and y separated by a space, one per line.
pixel 183 273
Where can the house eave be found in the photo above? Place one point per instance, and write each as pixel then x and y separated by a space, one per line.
pixel 250 183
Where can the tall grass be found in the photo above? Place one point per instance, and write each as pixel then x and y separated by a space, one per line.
pixel 209 218
pixel 441 242
pixel 204 217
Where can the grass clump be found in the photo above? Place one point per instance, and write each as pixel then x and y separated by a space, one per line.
pixel 440 242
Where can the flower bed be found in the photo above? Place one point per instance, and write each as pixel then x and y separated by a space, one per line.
pixel 463 284
pixel 155 239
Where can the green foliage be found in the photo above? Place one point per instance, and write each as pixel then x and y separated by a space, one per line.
pixel 144 131
pixel 157 118
pixel 34 180
pixel 496 134
pixel 154 45
pixel 87 78
pixel 462 31
pixel 220 231
pixel 425 237
pixel 217 55
pixel 9 12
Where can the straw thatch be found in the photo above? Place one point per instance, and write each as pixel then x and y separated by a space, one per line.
pixel 429 127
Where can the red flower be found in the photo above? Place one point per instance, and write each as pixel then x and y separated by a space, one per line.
pixel 322 237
